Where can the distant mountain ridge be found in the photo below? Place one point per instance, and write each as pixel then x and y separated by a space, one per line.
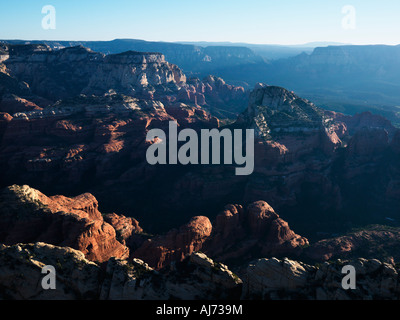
pixel 190 58
pixel 344 78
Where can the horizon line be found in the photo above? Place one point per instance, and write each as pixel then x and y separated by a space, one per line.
pixel 214 43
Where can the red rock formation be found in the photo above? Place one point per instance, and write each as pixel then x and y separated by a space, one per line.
pixel 228 225
pixel 213 92
pixel 360 121
pixel 125 227
pixel 176 244
pixel 379 242
pixel 257 232
pixel 259 217
pixel 27 215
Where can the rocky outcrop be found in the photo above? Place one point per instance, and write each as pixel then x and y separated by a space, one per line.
pixel 278 114
pixel 220 98
pixel 77 223
pixel 198 277
pixel 374 242
pixel 43 69
pixel 14 104
pixel 292 280
pixel 269 275
pixel 21 273
pixel 361 121
pixel 145 75
pixel 256 232
pixel 27 215
pixel 176 244
pixel 304 154
pixel 235 235
pixel 126 227
pixel 195 278
pixel 133 72
pixel 273 104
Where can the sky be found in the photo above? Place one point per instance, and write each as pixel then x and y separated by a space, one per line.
pixel 252 21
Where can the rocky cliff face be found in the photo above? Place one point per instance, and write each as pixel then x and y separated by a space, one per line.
pixel 235 235
pixel 240 234
pixel 192 58
pixel 176 244
pixel 276 113
pixel 134 73
pixel 295 146
pixel 27 215
pixel 52 74
pixel 66 73
pixel 304 154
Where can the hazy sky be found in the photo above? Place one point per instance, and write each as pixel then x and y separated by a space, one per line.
pixel 251 21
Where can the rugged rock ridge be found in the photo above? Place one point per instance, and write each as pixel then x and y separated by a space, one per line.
pixel 360 121
pixel 306 153
pixel 192 58
pixel 126 228
pixel 27 215
pixel 273 110
pixel 235 235
pixel 21 266
pixel 134 72
pixel 295 145
pixel 222 99
pixel 176 244
pixel 45 70
pixel 77 223
pixel 281 118
pixel 240 234
pixel 197 277
pixel 288 280
pixel 66 73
